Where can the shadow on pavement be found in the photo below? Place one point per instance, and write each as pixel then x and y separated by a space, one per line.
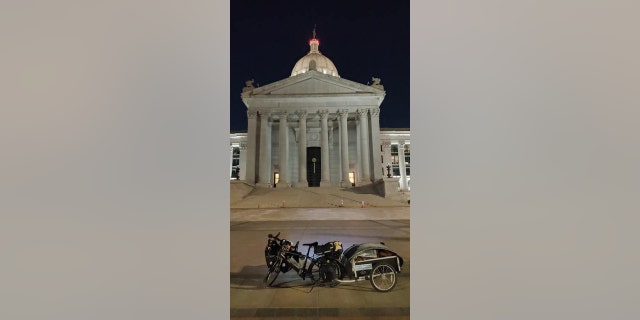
pixel 251 278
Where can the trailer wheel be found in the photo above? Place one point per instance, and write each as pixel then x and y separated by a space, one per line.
pixel 383 277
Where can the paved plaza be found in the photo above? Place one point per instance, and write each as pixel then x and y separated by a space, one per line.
pixel 294 298
pixel 308 215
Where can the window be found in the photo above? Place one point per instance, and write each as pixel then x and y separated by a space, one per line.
pixel 235 163
pixel 407 159
pixel 236 156
pixel 395 161
pixel 394 154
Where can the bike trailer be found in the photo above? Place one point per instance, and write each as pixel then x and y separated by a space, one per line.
pixel 360 259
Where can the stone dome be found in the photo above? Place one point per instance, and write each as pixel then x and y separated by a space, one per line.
pixel 314 60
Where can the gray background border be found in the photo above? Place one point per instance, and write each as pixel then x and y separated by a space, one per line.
pixel 524 115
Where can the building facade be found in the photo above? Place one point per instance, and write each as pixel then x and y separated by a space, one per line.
pixel 316 129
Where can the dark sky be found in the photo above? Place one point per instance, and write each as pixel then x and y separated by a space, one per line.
pixel 363 39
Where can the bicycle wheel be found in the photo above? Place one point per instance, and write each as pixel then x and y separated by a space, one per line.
pixel 270 259
pixel 383 277
pixel 333 273
pixel 326 271
pixel 273 273
pixel 313 272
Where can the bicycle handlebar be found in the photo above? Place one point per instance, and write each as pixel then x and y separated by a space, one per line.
pixel 274 237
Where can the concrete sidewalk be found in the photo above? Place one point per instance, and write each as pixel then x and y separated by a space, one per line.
pixel 306 215
pixel 294 298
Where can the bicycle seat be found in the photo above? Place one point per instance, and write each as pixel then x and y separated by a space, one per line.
pixel 311 244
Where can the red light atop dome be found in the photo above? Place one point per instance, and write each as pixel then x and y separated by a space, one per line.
pixel 314 39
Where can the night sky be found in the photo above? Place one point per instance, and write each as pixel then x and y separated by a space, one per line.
pixel 364 39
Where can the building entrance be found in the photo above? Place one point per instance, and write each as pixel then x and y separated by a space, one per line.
pixel 313 166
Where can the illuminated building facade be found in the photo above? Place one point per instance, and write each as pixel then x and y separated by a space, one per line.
pixel 317 129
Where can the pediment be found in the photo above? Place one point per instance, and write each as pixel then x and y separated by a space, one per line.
pixel 314 83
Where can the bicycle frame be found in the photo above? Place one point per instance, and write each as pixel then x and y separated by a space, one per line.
pixel 294 253
pixel 281 263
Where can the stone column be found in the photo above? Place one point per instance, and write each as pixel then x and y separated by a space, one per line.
pixel 344 144
pixel 364 138
pixel 359 167
pixel 325 180
pixel 302 148
pixel 250 172
pixel 268 152
pixel 264 173
pixel 243 160
pixel 403 169
pixel 375 144
pixel 334 149
pixel 284 150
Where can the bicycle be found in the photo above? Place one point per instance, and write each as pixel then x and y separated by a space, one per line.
pixel 374 262
pixel 280 254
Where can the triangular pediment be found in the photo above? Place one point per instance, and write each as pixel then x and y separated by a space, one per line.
pixel 314 83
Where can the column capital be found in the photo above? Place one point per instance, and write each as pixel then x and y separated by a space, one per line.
pixel 284 114
pixel 386 144
pixel 375 112
pixel 343 113
pixel 362 112
pixel 302 114
pixel 401 144
pixel 251 114
pixel 243 146
pixel 265 113
pixel 323 114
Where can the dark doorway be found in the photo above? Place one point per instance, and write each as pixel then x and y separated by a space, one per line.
pixel 313 166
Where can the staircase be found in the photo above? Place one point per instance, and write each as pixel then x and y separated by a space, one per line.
pixel 244 196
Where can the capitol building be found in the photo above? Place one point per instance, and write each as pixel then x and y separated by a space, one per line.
pixel 317 129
